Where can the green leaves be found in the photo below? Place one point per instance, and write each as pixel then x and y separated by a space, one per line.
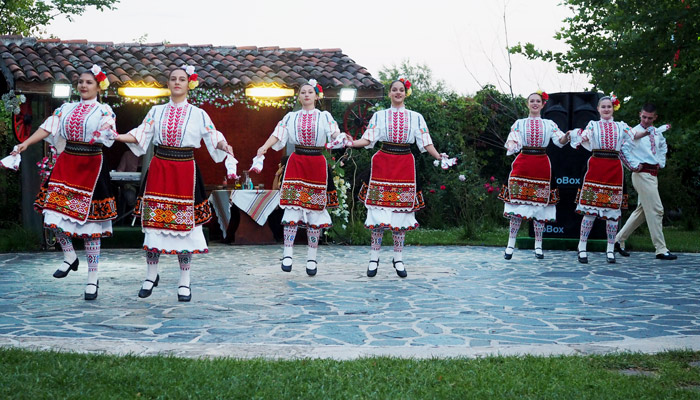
pixel 28 17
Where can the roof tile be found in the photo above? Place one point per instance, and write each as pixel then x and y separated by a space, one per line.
pixel 45 61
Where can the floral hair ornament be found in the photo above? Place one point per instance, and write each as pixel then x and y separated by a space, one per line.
pixel 543 95
pixel 191 76
pixel 317 88
pixel 615 102
pixel 406 85
pixel 100 76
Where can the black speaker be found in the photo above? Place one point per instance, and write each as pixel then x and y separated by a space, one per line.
pixel 558 110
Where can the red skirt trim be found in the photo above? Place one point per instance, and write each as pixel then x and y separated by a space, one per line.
pixel 154 250
pixel 304 184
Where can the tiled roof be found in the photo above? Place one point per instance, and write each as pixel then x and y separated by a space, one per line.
pixel 46 61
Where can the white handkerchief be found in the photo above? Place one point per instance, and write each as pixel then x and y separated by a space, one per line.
pixel 258 164
pixel 448 162
pixel 231 167
pixel 11 162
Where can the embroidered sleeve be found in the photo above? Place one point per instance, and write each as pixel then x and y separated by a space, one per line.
pixel 211 137
pixel 373 132
pixel 556 133
pixel 281 132
pixel 52 125
pixel 422 134
pixel 514 141
pixel 331 128
pixel 107 128
pixel 143 134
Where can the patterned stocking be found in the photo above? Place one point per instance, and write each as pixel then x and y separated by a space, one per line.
pixel 290 233
pixel 375 246
pixel 539 229
pixel 313 236
pixel 152 258
pixel 185 259
pixel 514 228
pixel 586 226
pixel 399 237
pixel 611 229
pixel 92 250
pixel 69 255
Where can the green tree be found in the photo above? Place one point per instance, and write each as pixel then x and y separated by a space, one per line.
pixel 642 50
pixel 27 17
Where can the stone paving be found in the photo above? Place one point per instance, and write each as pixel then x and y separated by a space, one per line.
pixel 456 301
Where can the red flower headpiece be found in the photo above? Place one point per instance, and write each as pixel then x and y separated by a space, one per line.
pixel 615 102
pixel 317 87
pixel 407 86
pixel 544 95
pixel 100 76
pixel 191 76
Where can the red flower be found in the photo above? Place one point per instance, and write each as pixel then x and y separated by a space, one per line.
pixel 443 187
pixel 492 179
pixel 487 185
pixel 490 190
pixel 193 77
pixel 545 96
pixel 432 190
pixel 101 76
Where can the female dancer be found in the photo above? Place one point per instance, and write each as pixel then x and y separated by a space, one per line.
pixel 307 188
pixel 390 196
pixel 173 205
pixel 601 193
pixel 77 200
pixel 528 194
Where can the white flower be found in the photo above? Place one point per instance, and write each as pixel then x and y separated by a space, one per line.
pixel 313 82
pixel 95 69
pixel 462 178
pixel 22 99
pixel 189 69
pixel 436 163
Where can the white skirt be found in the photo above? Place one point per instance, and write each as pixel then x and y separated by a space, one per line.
pixel 87 229
pixel 310 218
pixel 546 213
pixel 386 218
pixel 604 213
pixel 166 243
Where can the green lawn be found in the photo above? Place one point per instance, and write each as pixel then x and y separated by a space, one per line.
pixel 54 375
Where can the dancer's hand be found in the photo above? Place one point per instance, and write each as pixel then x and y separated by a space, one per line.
pixel 18 149
pixel 262 150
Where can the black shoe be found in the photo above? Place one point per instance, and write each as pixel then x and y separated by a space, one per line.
pixel 619 249
pixel 666 256
pixel 401 274
pixel 610 256
pixel 184 298
pixel 311 272
pixel 143 293
pixel 286 268
pixel 92 296
pixel 63 274
pixel 372 272
pixel 539 255
pixel 506 255
pixel 582 260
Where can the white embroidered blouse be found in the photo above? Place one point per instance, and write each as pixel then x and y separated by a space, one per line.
pixel 398 125
pixel 81 121
pixel 532 132
pixel 650 149
pixel 305 128
pixel 602 135
pixel 177 125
